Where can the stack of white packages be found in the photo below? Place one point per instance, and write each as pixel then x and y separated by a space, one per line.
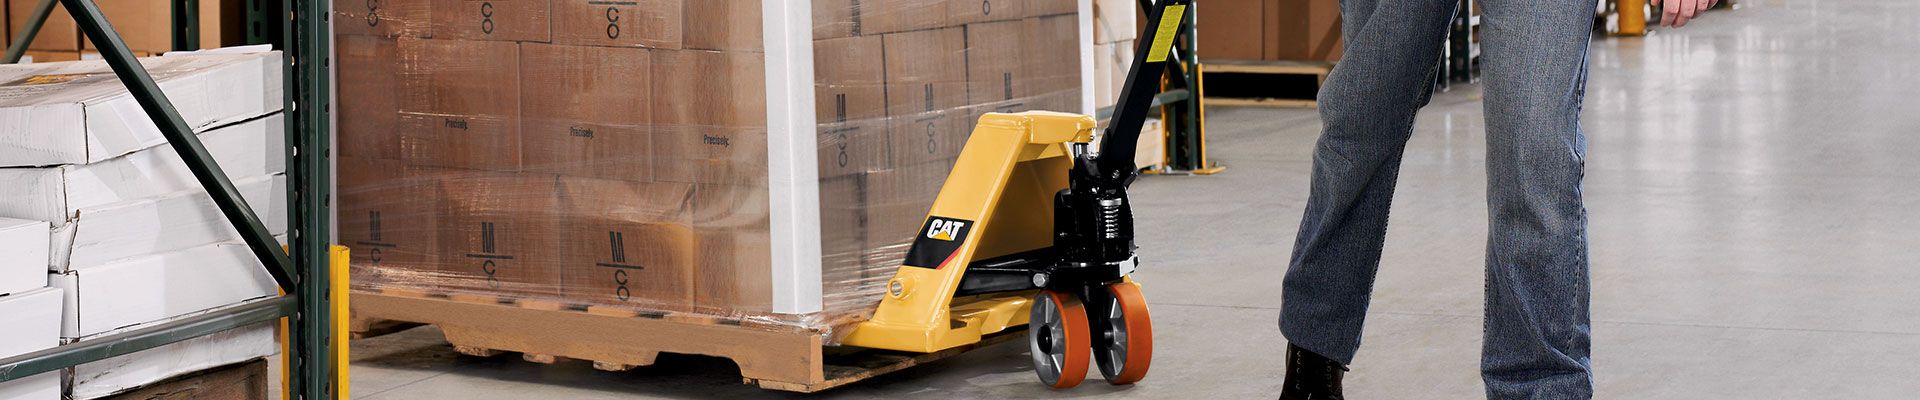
pixel 105 229
pixel 29 310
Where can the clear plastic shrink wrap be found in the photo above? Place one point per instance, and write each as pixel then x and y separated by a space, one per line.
pixel 615 154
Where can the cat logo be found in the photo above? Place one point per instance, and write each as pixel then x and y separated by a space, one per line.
pixel 944 229
pixel 939 242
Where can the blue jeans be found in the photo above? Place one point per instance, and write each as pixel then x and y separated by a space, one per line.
pixel 1534 52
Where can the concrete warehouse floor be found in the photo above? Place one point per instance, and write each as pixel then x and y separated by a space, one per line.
pixel 1755 226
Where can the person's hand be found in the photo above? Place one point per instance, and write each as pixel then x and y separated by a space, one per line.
pixel 1676 13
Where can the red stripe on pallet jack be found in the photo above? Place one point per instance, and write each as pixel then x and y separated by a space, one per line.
pixel 949 260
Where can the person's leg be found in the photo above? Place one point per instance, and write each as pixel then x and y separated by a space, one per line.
pixel 1367 106
pixel 1537 339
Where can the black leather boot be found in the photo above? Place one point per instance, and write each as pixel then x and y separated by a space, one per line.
pixel 1311 377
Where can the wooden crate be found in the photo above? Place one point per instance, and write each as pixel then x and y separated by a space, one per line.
pixel 770 355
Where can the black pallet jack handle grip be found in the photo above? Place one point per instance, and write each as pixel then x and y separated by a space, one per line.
pixel 1150 59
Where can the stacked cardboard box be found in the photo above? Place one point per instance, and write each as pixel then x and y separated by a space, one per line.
pixel 615 154
pixel 146 26
pixel 1301 30
pixel 586 151
pixel 900 84
pixel 124 234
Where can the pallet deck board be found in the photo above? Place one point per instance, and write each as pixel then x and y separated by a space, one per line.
pixel 1269 67
pixel 771 356
pixel 860 365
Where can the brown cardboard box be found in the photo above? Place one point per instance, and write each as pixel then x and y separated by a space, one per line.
pixel 730 207
pixel 842 18
pixel 710 117
pixel 612 262
pixel 849 79
pixel 1271 30
pixel 147 26
pixel 41 56
pixel 735 271
pixel 934 136
pixel 847 278
pixel 995 70
pixel 976 11
pixel 835 19
pixel 850 88
pixel 842 228
pixel 709 88
pixel 390 221
pixel 888 16
pixel 144 25
pixel 381 18
pixel 1042 8
pixel 1237 29
pixel 723 25
pixel 368 69
pixel 223 23
pixel 1066 101
pixel 1052 50
pixel 1116 20
pixel 628 243
pixel 926 90
pixel 59 32
pixel 852 148
pixel 516 20
pixel 580 116
pixel 916 59
pixel 634 23
pixel 1304 30
pixel 710 155
pixel 898 201
pixel 460 104
pixel 500 232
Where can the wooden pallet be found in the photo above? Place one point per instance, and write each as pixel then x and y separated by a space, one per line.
pixel 1264 83
pixel 770 355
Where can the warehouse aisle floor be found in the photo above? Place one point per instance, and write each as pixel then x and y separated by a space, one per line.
pixel 1755 215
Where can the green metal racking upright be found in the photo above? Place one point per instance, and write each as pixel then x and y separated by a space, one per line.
pixel 304 276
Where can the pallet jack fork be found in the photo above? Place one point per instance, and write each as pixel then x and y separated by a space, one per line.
pixel 1033 229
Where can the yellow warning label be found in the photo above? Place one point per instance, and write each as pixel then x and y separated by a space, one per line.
pixel 1163 36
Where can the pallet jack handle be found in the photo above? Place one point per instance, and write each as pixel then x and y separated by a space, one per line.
pixel 1115 163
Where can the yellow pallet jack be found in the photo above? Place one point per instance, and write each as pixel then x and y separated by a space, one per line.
pixel 1031 228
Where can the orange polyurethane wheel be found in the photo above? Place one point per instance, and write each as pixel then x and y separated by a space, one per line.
pixel 1057 335
pixel 1128 349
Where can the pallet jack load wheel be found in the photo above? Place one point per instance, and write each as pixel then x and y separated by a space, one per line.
pixel 1058 336
pixel 1127 341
